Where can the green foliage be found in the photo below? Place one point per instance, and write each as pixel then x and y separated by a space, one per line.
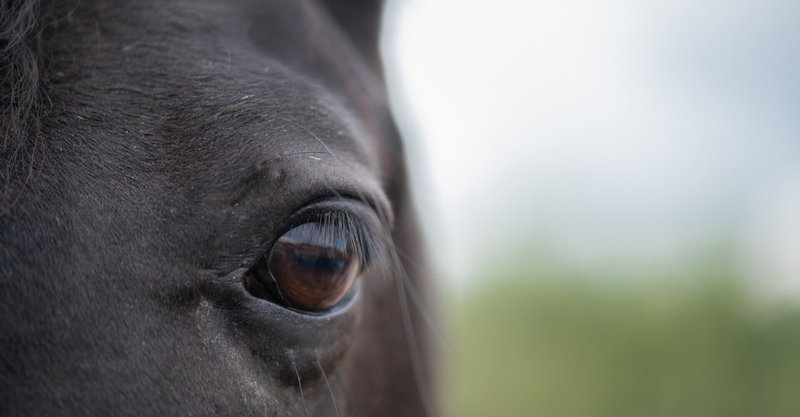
pixel 565 347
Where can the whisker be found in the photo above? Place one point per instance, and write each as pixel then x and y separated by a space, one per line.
pixel 286 155
pixel 307 130
pixel 320 141
pixel 416 298
pixel 300 384
pixel 330 390
pixel 405 312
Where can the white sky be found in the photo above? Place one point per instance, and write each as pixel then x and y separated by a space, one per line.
pixel 621 131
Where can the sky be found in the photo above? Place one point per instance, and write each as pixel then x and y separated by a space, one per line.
pixel 614 132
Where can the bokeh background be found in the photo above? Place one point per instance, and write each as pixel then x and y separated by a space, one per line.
pixel 611 195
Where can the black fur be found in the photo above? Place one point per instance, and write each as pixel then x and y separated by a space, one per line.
pixel 152 151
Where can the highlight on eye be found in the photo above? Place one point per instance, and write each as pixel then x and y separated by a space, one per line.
pixel 314 265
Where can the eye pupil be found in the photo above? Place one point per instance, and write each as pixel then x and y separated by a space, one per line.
pixel 321 261
pixel 313 267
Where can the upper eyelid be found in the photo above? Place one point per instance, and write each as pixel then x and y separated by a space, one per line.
pixel 383 208
pixel 376 201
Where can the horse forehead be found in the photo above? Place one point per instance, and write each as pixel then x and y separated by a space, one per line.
pixel 253 36
pixel 210 74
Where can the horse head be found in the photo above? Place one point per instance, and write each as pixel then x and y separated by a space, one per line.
pixel 205 212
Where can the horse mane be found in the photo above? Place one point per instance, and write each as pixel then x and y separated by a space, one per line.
pixel 20 95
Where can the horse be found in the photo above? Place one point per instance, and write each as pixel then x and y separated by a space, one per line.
pixel 205 211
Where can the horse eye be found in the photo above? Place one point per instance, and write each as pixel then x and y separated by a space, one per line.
pixel 312 267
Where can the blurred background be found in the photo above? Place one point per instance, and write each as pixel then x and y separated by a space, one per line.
pixel 611 195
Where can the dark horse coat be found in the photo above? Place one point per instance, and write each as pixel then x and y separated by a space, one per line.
pixel 204 212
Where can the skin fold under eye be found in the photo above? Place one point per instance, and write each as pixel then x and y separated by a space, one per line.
pixel 314 265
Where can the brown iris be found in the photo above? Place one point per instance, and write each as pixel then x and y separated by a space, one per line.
pixel 312 266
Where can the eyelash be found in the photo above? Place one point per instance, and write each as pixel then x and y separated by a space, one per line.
pixel 336 224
